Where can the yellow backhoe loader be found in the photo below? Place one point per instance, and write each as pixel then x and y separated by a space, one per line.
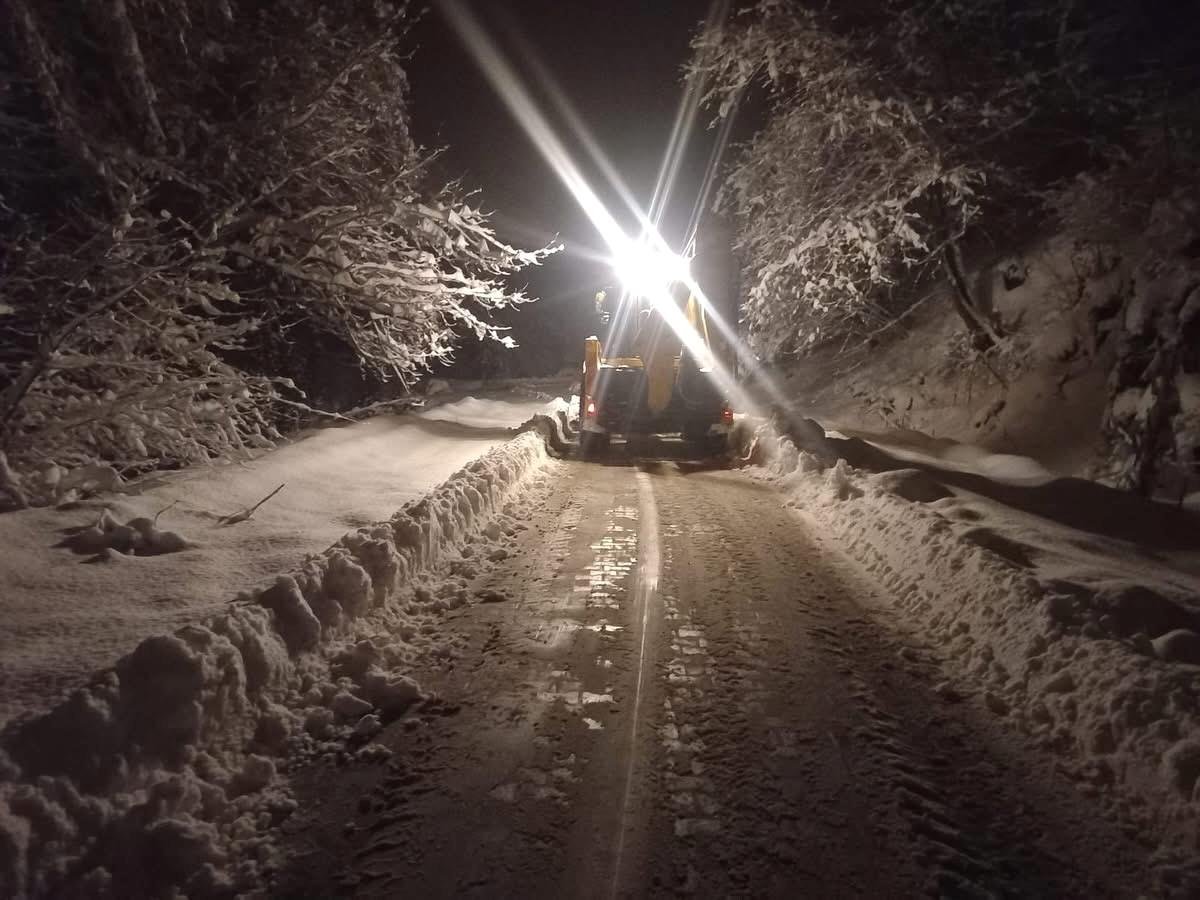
pixel 646 379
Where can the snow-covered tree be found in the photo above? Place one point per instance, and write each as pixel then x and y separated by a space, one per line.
pixel 894 130
pixel 182 175
pixel 905 140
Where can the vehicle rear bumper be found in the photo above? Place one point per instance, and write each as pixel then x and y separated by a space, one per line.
pixel 660 425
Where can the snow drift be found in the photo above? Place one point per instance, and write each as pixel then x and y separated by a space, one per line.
pixel 159 776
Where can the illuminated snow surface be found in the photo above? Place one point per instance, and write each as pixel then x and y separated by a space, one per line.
pixel 168 759
pixel 1066 608
pixel 64 615
pixel 1059 610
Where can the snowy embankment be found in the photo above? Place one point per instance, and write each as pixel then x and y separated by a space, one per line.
pixel 66 611
pixel 160 775
pixel 1068 609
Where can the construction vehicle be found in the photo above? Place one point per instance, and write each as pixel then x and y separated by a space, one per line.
pixel 653 374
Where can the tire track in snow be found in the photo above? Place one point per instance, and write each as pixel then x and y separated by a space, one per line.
pixel 760 736
pixel 971 815
pixel 824 753
pixel 645 596
pixel 958 864
pixel 692 795
pixel 753 803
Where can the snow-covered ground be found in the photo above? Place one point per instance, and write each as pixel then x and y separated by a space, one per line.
pixel 1069 609
pixel 948 455
pixel 66 614
pixel 167 760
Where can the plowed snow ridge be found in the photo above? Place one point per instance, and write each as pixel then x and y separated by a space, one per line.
pixel 64 615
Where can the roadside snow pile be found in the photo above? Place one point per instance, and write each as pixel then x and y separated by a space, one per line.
pixel 555 425
pixel 551 417
pixel 159 776
pixel 54 484
pixel 484 412
pixel 64 616
pixel 1003 467
pixel 1102 667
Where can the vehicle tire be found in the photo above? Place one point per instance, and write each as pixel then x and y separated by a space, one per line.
pixel 592 445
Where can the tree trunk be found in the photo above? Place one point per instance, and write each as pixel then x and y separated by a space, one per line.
pixel 983 333
pixel 40 59
pixel 112 18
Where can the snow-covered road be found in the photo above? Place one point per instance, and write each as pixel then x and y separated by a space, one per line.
pixel 64 616
pixel 677 686
pixel 827 675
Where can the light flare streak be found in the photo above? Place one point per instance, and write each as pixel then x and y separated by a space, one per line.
pixel 507 84
pixel 520 103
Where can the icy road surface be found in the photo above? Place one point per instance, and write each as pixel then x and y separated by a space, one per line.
pixel 675 687
pixel 64 616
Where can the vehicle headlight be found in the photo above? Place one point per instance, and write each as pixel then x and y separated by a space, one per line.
pixel 646 272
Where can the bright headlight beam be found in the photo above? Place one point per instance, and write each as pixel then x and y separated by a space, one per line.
pixel 647 272
pixel 508 85
pixel 520 103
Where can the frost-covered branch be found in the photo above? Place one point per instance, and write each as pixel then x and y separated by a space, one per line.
pixel 895 131
pixel 251 171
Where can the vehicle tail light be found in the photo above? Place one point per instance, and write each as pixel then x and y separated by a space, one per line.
pixel 727 416
pixel 590 410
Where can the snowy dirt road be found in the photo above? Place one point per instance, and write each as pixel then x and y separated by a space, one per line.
pixel 672 686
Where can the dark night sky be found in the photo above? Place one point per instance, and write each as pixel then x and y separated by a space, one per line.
pixel 619 62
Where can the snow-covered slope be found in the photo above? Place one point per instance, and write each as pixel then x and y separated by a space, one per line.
pixel 64 614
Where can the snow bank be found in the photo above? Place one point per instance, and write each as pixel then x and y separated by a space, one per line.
pixel 65 616
pixel 159 775
pixel 1003 467
pixel 486 412
pixel 1106 676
